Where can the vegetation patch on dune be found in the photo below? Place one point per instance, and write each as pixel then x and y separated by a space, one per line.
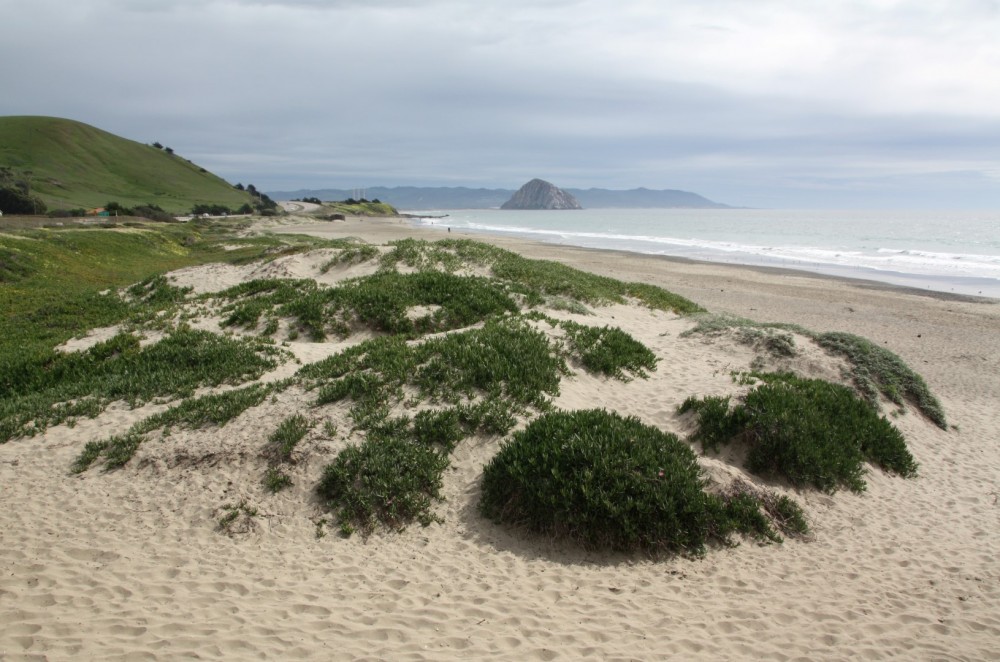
pixel 536 279
pixel 609 350
pixel 877 370
pixel 606 481
pixel 47 388
pixel 215 409
pixel 494 372
pixel 808 431
pixel 455 355
pixel 390 479
pixel 874 370
pixel 382 302
pixel 280 446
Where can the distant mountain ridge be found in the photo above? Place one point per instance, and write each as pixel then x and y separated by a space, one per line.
pixel 423 198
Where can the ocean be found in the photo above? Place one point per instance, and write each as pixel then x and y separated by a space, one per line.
pixel 935 250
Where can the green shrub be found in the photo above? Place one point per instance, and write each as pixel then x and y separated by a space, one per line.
pixel 877 370
pixel 717 425
pixel 391 481
pixel 874 369
pixel 609 482
pixel 439 428
pixel 808 431
pixel 506 364
pixel 609 350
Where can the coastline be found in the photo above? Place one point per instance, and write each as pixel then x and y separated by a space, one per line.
pixel 858 262
pixel 127 564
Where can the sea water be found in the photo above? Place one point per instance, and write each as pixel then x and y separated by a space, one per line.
pixel 941 251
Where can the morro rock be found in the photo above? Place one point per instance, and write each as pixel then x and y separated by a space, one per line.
pixel 539 194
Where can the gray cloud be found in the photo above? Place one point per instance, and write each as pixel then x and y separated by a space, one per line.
pixel 769 103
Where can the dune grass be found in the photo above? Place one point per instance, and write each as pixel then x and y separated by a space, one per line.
pixel 609 351
pixel 505 362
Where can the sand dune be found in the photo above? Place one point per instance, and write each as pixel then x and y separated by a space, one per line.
pixel 130 564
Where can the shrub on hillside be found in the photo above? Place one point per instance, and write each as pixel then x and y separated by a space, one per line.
pixel 808 431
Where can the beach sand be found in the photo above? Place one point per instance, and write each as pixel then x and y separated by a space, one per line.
pixel 130 565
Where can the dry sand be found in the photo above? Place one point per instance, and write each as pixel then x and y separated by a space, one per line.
pixel 129 564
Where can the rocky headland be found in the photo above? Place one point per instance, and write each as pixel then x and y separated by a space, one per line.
pixel 540 194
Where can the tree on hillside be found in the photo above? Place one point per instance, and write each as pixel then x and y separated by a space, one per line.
pixel 15 193
pixel 14 200
pixel 157 145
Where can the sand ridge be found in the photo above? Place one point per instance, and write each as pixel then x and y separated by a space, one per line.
pixel 130 565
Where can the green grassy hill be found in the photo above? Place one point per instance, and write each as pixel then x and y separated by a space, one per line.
pixel 70 165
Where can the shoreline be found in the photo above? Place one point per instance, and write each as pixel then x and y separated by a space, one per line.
pixel 937 279
pixel 391 231
pixel 985 290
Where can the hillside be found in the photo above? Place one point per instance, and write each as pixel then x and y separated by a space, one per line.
pixel 71 165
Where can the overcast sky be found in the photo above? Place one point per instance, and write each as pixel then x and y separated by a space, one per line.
pixel 764 103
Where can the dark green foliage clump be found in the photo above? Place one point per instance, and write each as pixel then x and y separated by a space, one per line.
pixel 50 387
pixel 763 512
pixel 439 428
pixel 505 358
pixel 390 479
pixel 808 431
pixel 383 302
pixel 505 363
pixel 610 482
pixel 877 370
pixel 717 426
pixel 609 350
